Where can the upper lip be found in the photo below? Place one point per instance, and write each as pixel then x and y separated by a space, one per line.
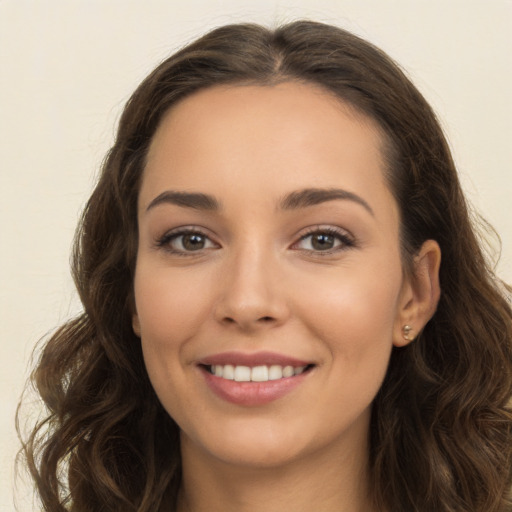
pixel 252 359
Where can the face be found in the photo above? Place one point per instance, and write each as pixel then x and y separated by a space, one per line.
pixel 269 288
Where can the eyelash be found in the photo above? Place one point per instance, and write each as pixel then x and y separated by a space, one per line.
pixel 164 242
pixel 346 240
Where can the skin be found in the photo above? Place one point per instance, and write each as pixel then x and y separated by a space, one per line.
pixel 259 283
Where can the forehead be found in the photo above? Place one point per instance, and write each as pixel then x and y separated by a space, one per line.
pixel 266 138
pixel 296 109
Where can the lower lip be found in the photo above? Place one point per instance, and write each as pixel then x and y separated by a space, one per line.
pixel 252 393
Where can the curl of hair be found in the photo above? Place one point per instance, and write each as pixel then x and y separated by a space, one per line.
pixel 441 430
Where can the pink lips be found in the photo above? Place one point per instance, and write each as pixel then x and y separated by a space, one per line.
pixel 256 359
pixel 251 393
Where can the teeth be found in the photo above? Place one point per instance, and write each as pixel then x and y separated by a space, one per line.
pixel 287 371
pixel 256 373
pixel 228 372
pixel 275 372
pixel 242 374
pixel 259 374
pixel 299 370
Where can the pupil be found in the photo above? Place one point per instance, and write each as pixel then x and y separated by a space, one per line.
pixel 323 242
pixel 193 242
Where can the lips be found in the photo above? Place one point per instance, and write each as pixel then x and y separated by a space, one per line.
pixel 253 379
pixel 255 359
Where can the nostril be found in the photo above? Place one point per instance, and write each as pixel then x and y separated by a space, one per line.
pixel 249 322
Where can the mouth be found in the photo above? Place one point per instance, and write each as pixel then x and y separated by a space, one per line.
pixel 253 379
pixel 260 373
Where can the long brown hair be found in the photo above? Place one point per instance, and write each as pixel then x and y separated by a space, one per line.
pixel 441 430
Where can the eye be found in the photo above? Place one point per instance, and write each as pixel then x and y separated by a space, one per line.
pixel 185 241
pixel 325 240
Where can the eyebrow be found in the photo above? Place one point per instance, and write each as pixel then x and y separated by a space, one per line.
pixel 292 201
pixel 194 200
pixel 313 196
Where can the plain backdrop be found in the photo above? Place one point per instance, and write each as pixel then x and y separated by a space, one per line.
pixel 68 66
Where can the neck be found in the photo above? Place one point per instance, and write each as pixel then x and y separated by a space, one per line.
pixel 319 482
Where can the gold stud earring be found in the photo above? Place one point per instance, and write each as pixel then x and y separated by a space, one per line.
pixel 406 330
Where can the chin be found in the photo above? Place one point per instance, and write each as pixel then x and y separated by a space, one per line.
pixel 276 442
pixel 246 451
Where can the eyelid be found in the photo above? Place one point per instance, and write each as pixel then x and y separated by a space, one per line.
pixel 163 241
pixel 345 237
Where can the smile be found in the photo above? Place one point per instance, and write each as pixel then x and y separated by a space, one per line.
pixel 262 373
pixel 253 379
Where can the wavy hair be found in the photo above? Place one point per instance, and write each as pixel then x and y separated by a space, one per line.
pixel 441 427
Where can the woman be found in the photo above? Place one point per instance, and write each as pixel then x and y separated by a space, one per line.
pixel 267 321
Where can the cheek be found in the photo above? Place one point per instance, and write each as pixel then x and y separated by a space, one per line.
pixel 358 299
pixel 353 312
pixel 169 309
pixel 169 304
pixel 349 316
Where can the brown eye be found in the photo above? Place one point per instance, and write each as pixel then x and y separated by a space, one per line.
pixel 185 242
pixel 322 241
pixel 193 241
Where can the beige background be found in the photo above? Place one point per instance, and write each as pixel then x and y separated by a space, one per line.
pixel 67 67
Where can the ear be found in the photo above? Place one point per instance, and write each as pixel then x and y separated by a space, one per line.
pixel 136 323
pixel 135 316
pixel 419 295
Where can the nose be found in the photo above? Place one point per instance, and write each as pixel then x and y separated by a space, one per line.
pixel 252 294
